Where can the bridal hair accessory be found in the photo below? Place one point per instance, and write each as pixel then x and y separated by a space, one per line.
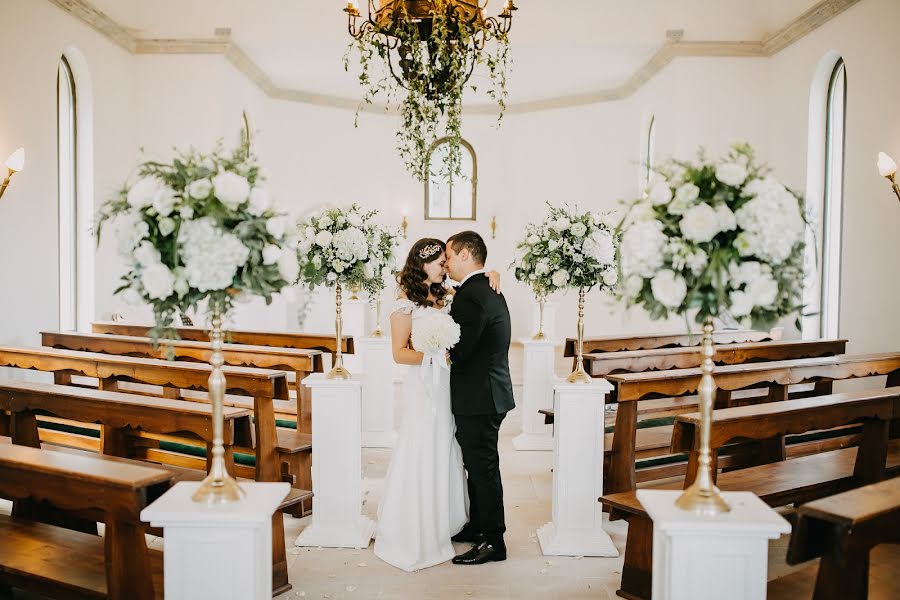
pixel 429 251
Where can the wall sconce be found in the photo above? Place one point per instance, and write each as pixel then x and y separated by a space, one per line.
pixel 494 227
pixel 404 224
pixel 14 164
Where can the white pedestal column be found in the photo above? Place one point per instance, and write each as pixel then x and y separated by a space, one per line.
pixel 354 315
pixel 711 557
pixel 337 520
pixel 222 551
pixel 538 380
pixel 377 392
pixel 576 528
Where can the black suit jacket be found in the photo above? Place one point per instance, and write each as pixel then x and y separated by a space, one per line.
pixel 479 378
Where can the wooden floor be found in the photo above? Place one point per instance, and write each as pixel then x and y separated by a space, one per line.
pixel 883 581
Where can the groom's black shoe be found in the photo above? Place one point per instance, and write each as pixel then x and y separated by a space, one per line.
pixel 468 535
pixel 481 553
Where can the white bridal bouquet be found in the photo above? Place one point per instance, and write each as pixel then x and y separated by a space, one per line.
pixel 567 250
pixel 435 333
pixel 346 247
pixel 722 237
pixel 199 227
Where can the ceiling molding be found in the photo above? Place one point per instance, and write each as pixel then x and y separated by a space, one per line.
pixel 674 47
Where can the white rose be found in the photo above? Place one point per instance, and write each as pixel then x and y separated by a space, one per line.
pixel 200 189
pixel 633 286
pixel 231 189
pixel 325 222
pixel 642 248
pixel 732 174
pixel 368 270
pixel 260 202
pixel 271 253
pixel 727 221
pixel 560 278
pixel 642 211
pixel 289 267
pixel 164 201
pixel 309 233
pixel 166 226
pixel 697 261
pixel 143 192
pixel 533 239
pixel 181 283
pixel 338 266
pixel 741 303
pixel 355 220
pixel 323 239
pixel 763 290
pixel 886 166
pixel 668 288
pixel 660 193
pixel 700 224
pixel 276 227
pixel 579 229
pixel 146 254
pixel 186 212
pixel 687 193
pixel 553 244
pixel 331 277
pixel 745 272
pixel 158 281
pixel 611 277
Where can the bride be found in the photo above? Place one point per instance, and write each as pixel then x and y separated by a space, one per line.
pixel 425 501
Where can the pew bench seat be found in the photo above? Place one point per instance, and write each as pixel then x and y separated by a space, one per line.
pixel 59 562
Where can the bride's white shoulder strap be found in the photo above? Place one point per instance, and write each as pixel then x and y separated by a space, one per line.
pixel 403 306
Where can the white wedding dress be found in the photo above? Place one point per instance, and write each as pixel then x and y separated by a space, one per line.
pixel 425 501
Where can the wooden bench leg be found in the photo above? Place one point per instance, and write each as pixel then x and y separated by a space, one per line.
pixel 114 441
pixel 299 475
pixel 847 581
pixel 4 424
pixel 128 571
pixel 871 456
pixel 620 477
pixel 637 579
pixel 280 583
pixel 24 429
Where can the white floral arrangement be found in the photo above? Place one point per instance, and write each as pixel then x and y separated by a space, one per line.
pixel 723 237
pixel 568 249
pixel 201 227
pixel 434 333
pixel 346 246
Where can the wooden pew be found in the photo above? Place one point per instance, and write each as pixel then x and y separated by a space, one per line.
pixel 617 343
pixel 280 454
pixel 778 483
pixel 311 341
pixel 119 414
pixel 664 359
pixel 302 362
pixel 57 562
pixel 842 530
pixel 632 388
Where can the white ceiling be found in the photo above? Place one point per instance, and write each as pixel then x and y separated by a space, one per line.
pixel 560 47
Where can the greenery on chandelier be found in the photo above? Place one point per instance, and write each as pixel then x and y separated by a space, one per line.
pixel 434 60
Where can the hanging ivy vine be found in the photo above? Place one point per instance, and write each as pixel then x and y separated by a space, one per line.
pixel 429 63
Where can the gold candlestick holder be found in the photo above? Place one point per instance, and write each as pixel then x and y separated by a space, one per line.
pixel 377 333
pixel 338 371
pixel 540 335
pixel 703 497
pixel 579 375
pixel 219 487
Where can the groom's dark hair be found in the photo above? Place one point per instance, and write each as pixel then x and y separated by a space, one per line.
pixel 471 241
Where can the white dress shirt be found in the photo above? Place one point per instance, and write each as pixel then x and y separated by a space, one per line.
pixel 472 274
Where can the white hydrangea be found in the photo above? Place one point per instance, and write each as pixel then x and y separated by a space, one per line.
pixel 130 230
pixel 560 278
pixel 600 247
pixel 642 248
pixel 741 303
pixel 289 266
pixel 323 239
pixel 771 222
pixel 211 256
pixel 351 245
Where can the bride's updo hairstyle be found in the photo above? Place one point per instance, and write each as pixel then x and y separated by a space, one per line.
pixel 412 278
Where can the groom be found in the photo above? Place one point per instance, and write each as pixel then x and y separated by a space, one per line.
pixel 481 392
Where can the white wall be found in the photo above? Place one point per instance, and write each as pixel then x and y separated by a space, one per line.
pixel 587 156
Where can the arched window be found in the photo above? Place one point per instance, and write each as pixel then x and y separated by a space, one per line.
pixel 67 152
pixel 825 197
pixel 75 167
pixel 451 198
pixel 648 144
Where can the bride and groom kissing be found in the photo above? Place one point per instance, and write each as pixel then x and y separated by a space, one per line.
pixel 443 483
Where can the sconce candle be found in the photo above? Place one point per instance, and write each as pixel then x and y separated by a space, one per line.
pixel 14 164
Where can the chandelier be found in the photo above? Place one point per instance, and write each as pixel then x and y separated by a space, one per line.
pixel 395 20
